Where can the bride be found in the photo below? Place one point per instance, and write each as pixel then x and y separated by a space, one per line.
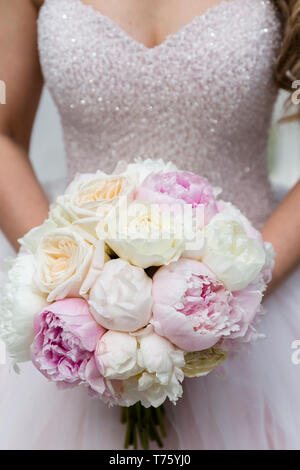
pixel 190 81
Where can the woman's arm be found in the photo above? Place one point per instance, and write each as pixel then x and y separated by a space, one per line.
pixel 22 201
pixel 283 230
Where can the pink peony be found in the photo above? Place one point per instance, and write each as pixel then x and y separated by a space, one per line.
pixel 194 310
pixel 66 338
pixel 98 386
pixel 179 187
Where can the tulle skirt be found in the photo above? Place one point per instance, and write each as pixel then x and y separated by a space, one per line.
pixel 252 402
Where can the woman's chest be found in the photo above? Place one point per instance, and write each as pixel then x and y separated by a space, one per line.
pixel 225 54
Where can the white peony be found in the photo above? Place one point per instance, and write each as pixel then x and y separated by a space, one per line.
pixel 150 368
pixel 140 169
pixel 234 256
pixel 116 355
pixel 144 235
pixel 21 301
pixel 120 298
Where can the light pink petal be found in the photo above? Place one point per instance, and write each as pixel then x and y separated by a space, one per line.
pixel 177 328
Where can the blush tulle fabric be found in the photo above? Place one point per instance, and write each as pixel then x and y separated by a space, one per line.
pixel 204 99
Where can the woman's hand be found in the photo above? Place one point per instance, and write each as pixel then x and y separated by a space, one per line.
pixel 22 201
pixel 282 229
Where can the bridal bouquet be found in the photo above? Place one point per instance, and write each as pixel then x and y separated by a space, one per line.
pixel 136 280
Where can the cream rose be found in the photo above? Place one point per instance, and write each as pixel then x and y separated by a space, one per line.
pixel 31 240
pixel 230 253
pixel 144 235
pixel 89 198
pixel 120 298
pixel 63 259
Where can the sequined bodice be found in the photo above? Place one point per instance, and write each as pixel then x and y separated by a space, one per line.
pixel 203 98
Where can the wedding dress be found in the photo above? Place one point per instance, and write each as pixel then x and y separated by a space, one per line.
pixel 204 99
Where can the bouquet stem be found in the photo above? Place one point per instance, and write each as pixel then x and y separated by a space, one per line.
pixel 147 424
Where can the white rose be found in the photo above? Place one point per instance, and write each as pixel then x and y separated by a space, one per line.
pixel 151 374
pixel 120 299
pixel 230 253
pixel 144 235
pixel 21 301
pixel 100 257
pixel 63 259
pixel 58 218
pixel 63 216
pixel 140 169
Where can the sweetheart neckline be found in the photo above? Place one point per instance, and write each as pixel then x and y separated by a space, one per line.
pixel 169 37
